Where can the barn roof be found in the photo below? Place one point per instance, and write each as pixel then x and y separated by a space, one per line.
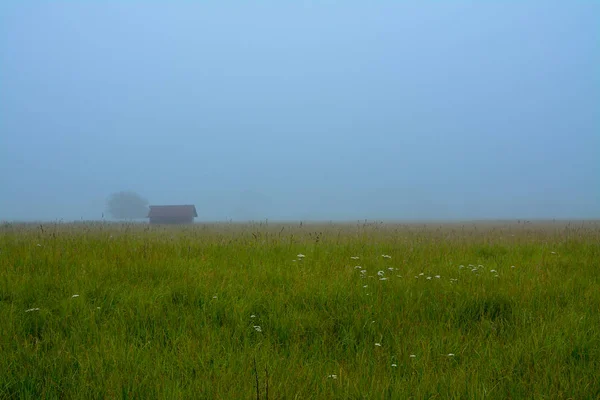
pixel 173 211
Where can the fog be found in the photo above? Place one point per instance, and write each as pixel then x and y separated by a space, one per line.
pixel 316 110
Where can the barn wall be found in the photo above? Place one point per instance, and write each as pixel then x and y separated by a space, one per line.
pixel 171 220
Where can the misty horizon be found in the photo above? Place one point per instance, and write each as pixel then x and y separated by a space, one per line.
pixel 333 112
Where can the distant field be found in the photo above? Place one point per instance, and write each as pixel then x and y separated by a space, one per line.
pixel 315 311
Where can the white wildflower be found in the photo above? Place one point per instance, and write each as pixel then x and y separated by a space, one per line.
pixel 437 276
pixel 428 278
pixel 378 344
pixel 332 376
pixel 358 267
pixel 450 354
pixel 32 309
pixel 390 269
pixel 300 255
pixel 253 316
pixel 380 273
pixel 394 365
pixel 366 286
pixel 383 279
pixel 422 273
pixel 364 271
pixel 354 258
pixel 75 295
pixel 492 270
pixel 215 296
pixel 413 356
pixel 257 328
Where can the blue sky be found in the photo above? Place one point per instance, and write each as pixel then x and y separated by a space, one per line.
pixel 323 110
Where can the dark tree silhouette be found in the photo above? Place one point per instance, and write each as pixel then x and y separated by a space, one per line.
pixel 127 205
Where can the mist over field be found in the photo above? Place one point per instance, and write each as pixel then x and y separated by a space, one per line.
pixel 321 111
pixel 397 199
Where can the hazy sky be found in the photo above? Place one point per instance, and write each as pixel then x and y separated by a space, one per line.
pixel 301 109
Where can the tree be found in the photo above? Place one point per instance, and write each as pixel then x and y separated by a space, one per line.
pixel 127 205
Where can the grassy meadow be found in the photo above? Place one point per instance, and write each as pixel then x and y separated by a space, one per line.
pixel 502 310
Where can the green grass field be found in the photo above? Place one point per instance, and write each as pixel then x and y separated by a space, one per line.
pixel 495 310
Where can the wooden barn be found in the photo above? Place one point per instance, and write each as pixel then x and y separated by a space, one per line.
pixel 184 214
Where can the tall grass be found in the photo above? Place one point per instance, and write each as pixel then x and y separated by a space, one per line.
pixel 186 312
